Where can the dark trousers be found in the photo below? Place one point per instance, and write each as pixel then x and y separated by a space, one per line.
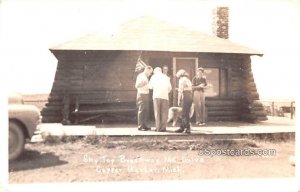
pixel 199 102
pixel 161 107
pixel 143 110
pixel 186 107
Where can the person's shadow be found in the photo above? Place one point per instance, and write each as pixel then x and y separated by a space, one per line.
pixel 34 160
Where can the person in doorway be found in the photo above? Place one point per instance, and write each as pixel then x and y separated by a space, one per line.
pixel 185 100
pixel 165 70
pixel 161 86
pixel 142 86
pixel 199 83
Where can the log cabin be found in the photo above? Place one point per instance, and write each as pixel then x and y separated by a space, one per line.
pixel 95 74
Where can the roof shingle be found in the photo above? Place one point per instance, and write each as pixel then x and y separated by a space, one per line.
pixel 150 34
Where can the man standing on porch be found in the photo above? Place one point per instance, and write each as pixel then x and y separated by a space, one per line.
pixel 185 100
pixel 142 86
pixel 199 84
pixel 161 85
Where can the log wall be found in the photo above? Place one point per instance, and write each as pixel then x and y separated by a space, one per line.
pixel 252 108
pixel 106 76
pixel 109 76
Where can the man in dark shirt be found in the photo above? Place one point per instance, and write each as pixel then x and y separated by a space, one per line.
pixel 199 84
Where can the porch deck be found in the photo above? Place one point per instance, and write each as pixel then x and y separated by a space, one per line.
pixel 272 126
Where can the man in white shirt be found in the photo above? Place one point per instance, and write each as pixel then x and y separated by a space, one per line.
pixel 185 100
pixel 142 99
pixel 161 85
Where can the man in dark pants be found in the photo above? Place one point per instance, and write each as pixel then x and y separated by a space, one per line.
pixel 142 87
pixel 184 95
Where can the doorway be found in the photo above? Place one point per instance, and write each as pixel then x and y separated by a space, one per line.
pixel 189 64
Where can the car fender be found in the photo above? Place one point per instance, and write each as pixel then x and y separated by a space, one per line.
pixel 28 115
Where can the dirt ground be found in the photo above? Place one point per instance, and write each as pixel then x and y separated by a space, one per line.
pixel 97 159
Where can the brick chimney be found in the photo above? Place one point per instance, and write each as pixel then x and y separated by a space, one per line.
pixel 221 22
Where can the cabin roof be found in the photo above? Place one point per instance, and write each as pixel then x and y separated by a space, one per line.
pixel 151 34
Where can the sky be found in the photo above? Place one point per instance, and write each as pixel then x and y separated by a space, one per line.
pixel 30 27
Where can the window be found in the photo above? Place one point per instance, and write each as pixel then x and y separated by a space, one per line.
pixel 217 81
pixel 212 78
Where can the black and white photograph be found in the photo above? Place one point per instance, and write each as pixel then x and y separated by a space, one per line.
pixel 126 94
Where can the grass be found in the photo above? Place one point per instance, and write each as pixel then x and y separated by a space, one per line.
pixel 275 137
pixel 150 143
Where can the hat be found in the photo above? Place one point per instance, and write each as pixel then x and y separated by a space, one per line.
pixel 200 69
pixel 181 72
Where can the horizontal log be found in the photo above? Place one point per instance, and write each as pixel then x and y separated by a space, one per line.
pixel 108 87
pixel 257 103
pixel 236 78
pixel 251 96
pixel 249 77
pixel 251 84
pixel 51 119
pixel 51 113
pixel 236 95
pixel 61 83
pixel 222 103
pixel 53 104
pixel 236 70
pixel 236 84
pixel 223 108
pixel 57 99
pixel 223 118
pixel 109 96
pixel 247 67
pixel 262 118
pixel 58 88
pixel 53 108
pixel 257 109
pixel 76 84
pixel 259 113
pixel 252 90
pixel 249 117
pixel 224 113
pixel 102 111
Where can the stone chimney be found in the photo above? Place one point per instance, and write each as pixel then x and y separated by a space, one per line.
pixel 220 22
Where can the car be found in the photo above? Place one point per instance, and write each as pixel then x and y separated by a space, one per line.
pixel 23 123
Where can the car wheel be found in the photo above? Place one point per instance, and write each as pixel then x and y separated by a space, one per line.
pixel 16 140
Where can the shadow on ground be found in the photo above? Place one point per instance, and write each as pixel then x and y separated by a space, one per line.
pixel 34 160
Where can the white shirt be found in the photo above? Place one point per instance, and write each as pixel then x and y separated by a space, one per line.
pixel 141 83
pixel 161 85
pixel 184 84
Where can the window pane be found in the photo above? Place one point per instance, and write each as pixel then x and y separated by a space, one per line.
pixel 212 77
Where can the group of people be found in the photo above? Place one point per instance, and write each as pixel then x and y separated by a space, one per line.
pixel 188 92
